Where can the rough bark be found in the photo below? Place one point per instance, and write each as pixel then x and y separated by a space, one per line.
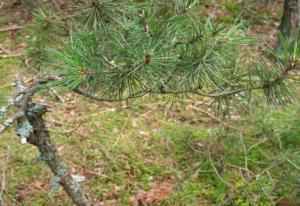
pixel 31 128
pixel 41 139
pixel 290 19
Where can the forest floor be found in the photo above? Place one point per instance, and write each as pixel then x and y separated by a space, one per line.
pixel 151 151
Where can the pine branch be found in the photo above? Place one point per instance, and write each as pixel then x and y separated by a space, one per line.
pixel 31 127
pixel 92 96
pixel 21 101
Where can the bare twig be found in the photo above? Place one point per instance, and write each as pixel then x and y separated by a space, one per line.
pixel 121 133
pixel 57 96
pixel 97 98
pixel 214 117
pixel 256 144
pixel 10 55
pixel 246 155
pixel 11 120
pixel 231 198
pixel 13 27
pixel 4 169
pixel 66 132
pixel 293 164
pixel 4 50
pixel 218 175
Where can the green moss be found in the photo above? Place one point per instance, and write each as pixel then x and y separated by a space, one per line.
pixel 190 194
pixel 233 7
pixel 226 19
pixel 2 36
pixel 180 135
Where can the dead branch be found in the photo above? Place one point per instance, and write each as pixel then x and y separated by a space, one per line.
pixel 31 127
pixel 246 155
pixel 57 96
pixel 4 170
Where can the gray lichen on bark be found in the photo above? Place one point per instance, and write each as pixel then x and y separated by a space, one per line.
pixel 24 128
pixel 3 110
pixel 31 127
pixel 54 183
pixel 41 139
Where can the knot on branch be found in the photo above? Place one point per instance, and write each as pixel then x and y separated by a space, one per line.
pixel 36 110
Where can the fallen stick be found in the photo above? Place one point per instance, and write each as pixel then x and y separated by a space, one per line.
pixel 10 56
pixel 13 27
pixel 214 117
pixel 56 95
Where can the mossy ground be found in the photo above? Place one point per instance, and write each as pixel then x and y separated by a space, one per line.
pixel 149 144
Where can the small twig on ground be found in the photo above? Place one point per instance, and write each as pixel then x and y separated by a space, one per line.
pixel 240 190
pixel 146 113
pixel 10 56
pixel 13 27
pixel 97 173
pixel 121 133
pixel 69 132
pixel 214 118
pixel 257 144
pixel 293 164
pixel 246 155
pixel 241 168
pixel 57 96
pixel 4 50
pixel 4 169
pixel 218 175
pixel 12 199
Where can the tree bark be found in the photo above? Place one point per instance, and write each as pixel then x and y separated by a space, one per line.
pixel 31 128
pixel 41 139
pixel 290 19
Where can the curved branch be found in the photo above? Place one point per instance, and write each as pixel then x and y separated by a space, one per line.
pixel 31 127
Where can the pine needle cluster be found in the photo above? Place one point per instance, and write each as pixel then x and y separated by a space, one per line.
pixel 121 49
